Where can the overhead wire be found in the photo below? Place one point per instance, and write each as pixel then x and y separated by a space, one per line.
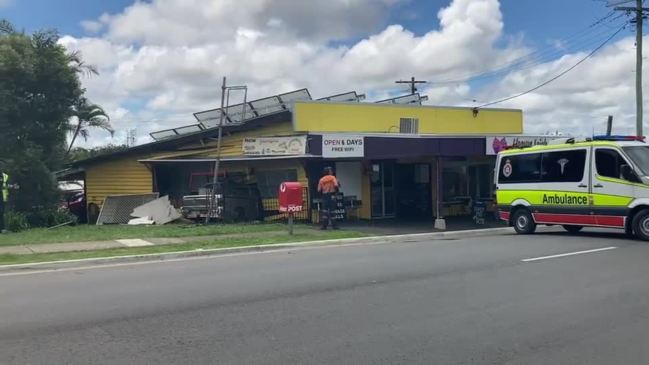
pixel 582 60
pixel 528 65
pixel 579 40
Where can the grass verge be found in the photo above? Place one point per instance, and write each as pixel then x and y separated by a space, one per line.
pixel 8 259
pixel 113 232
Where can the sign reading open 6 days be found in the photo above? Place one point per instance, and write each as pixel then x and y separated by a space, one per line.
pixel 341 146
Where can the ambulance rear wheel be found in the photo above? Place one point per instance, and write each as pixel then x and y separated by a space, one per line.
pixel 573 229
pixel 641 224
pixel 523 221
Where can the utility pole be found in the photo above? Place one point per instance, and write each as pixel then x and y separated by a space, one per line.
pixel 130 137
pixel 638 67
pixel 412 82
pixel 225 108
pixel 639 14
pixel 212 204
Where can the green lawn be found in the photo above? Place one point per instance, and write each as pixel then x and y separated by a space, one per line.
pixel 210 244
pixel 112 232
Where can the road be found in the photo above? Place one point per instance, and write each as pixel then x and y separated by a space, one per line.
pixel 462 301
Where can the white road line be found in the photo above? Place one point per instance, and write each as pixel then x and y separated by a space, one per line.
pixel 569 254
pixel 134 242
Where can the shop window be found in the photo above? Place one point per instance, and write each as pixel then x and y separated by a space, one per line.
pixel 422 174
pixel 484 181
pixel 563 166
pixel 269 181
pixel 454 182
pixel 608 163
pixel 520 168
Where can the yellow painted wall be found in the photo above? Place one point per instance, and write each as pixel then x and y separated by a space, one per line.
pixel 384 118
pixel 121 176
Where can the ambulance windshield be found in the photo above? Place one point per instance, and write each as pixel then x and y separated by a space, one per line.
pixel 640 157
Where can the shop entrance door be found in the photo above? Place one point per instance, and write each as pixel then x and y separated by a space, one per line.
pixel 413 191
pixel 382 189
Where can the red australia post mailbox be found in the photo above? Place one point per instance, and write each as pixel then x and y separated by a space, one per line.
pixel 290 197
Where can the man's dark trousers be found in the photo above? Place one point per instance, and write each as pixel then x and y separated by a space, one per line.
pixel 328 210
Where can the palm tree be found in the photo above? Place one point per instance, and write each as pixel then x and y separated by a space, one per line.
pixel 88 116
pixel 6 27
pixel 75 60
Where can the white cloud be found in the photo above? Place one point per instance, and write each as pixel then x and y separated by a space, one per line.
pixel 580 101
pixel 162 60
pixel 92 26
pixel 6 3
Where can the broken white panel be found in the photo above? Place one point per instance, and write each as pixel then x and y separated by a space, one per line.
pixel 141 221
pixel 160 211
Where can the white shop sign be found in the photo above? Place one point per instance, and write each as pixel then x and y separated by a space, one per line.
pixel 274 146
pixel 500 143
pixel 342 146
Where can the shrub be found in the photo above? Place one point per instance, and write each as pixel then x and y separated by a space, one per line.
pixel 15 222
pixel 50 217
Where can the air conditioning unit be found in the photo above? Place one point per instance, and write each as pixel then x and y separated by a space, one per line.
pixel 409 126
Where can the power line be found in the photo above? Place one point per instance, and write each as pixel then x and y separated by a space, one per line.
pixel 526 65
pixel 557 76
pixel 541 56
pixel 412 82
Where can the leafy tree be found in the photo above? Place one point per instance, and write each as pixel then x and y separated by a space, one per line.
pixel 89 115
pixel 39 89
pixel 80 153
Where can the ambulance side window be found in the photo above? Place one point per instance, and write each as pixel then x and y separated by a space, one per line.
pixel 564 166
pixel 520 168
pixel 608 163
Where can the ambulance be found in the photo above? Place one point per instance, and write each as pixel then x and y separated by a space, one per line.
pixel 595 182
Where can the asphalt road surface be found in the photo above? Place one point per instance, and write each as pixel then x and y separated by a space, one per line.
pixel 463 301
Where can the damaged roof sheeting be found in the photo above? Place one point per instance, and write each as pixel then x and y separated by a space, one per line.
pixel 160 211
pixel 172 143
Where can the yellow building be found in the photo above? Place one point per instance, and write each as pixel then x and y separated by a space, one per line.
pixel 393 160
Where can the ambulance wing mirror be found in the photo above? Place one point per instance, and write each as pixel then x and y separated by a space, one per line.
pixel 628 174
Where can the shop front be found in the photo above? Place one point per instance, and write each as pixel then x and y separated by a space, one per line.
pixel 409 162
pixel 404 177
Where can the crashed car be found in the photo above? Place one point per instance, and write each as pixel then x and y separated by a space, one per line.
pixel 235 201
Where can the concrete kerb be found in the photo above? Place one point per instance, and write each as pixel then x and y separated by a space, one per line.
pixel 53 265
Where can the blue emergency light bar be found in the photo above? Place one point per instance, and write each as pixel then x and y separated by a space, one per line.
pixel 619 138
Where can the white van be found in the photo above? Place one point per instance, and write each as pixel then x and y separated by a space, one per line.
pixel 598 182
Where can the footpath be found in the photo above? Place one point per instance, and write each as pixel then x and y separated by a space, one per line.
pixel 360 231
pixel 39 248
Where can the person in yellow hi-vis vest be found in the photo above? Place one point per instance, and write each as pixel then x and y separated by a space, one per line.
pixel 4 184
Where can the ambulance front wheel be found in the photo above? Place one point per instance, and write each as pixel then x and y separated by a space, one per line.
pixel 641 224
pixel 523 221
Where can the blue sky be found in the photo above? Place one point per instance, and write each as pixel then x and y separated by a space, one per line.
pixel 64 15
pixel 538 20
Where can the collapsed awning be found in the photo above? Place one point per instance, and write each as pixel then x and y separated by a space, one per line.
pixel 71 174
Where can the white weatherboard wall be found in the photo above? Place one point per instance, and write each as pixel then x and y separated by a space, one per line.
pixel 349 174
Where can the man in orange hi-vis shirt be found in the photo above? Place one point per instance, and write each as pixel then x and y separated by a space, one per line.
pixel 328 187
